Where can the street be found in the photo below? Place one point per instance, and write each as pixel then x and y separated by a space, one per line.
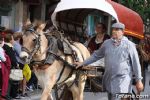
pixel 51 38
pixel 35 95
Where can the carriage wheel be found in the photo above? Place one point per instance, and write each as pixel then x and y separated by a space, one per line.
pixel 94 83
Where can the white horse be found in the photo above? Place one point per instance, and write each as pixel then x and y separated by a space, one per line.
pixel 35 45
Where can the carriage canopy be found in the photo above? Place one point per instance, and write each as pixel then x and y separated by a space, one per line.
pixel 75 12
pixel 132 20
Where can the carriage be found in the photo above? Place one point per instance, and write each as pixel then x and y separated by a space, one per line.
pixel 77 17
pixel 73 18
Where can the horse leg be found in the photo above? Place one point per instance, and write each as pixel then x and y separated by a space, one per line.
pixel 46 95
pixel 50 97
pixel 81 85
pixel 78 92
pixel 75 92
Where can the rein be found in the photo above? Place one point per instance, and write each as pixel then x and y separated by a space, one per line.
pixel 64 61
pixel 36 48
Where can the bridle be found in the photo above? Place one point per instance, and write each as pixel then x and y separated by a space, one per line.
pixel 37 45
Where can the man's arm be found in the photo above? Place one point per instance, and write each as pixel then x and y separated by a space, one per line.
pixel 98 54
pixel 136 67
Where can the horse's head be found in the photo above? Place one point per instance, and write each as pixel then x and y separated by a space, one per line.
pixel 32 38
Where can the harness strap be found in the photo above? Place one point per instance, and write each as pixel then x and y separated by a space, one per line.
pixel 80 51
pixel 61 73
pixel 73 52
pixel 59 85
pixel 61 59
pixel 65 64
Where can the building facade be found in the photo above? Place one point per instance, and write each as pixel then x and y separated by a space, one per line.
pixel 14 12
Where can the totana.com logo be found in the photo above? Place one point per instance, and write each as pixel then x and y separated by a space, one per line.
pixel 129 95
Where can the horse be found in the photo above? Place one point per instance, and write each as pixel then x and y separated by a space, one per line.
pixel 35 47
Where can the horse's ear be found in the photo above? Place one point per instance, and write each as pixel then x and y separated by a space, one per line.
pixel 35 23
pixel 42 26
pixel 26 23
pixel 39 25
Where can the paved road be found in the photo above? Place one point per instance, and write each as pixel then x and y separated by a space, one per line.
pixel 91 96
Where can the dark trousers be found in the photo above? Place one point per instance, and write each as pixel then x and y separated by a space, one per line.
pixel 13 89
pixel 145 64
pixel 33 80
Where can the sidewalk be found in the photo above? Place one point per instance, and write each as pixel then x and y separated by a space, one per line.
pixel 34 95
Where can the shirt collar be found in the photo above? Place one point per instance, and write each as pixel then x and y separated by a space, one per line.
pixel 118 42
pixel 9 44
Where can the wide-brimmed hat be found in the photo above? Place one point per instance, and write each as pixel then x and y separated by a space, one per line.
pixel 118 25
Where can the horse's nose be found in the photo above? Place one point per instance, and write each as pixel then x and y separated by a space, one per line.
pixel 24 55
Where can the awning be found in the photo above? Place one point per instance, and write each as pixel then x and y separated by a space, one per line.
pixel 75 11
pixel 132 20
pixel 101 5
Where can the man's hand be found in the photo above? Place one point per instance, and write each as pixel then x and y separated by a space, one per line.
pixel 139 86
pixel 78 64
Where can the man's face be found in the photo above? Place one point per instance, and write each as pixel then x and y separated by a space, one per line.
pixel 117 33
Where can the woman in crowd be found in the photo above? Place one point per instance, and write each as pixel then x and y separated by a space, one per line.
pixel 100 37
pixel 8 47
pixel 17 36
pixel 4 70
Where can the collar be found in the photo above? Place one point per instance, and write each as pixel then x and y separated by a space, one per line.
pixel 118 42
pixel 9 44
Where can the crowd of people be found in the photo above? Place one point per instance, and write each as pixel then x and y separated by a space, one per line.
pixel 10 48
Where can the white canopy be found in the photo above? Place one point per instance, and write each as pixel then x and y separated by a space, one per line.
pixel 101 5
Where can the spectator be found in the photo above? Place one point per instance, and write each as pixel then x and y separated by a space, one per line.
pixel 144 48
pixel 100 37
pixel 8 47
pixel 17 48
pixel 4 70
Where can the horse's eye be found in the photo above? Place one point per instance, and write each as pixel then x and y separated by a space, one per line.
pixel 34 40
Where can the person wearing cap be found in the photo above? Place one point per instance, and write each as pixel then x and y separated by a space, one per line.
pixel 121 62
